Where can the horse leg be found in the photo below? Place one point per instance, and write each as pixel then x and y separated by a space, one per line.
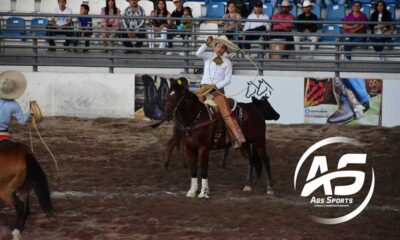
pixel 249 177
pixel 22 209
pixel 169 149
pixel 226 151
pixel 193 169
pixel 203 155
pixel 264 156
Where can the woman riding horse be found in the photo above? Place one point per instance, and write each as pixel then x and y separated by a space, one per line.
pixel 19 170
pixel 218 74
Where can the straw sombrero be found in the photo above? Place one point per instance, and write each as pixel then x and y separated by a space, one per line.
pixel 231 47
pixel 36 112
pixel 12 84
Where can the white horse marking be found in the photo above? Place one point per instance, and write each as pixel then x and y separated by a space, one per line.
pixel 204 189
pixel 16 234
pixel 172 93
pixel 193 188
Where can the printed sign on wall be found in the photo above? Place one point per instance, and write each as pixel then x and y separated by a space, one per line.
pixel 342 100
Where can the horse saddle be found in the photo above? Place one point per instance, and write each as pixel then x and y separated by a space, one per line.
pixel 209 100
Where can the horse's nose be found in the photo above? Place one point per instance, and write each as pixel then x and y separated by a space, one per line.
pixel 277 116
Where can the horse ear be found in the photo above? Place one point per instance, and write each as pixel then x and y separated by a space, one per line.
pixel 254 99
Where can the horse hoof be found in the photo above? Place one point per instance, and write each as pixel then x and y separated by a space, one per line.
pixel 247 189
pixel 203 195
pixel 16 234
pixel 191 194
pixel 270 192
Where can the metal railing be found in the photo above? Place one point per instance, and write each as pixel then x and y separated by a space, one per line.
pixel 32 49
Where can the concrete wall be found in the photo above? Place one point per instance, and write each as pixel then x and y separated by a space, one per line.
pixel 61 92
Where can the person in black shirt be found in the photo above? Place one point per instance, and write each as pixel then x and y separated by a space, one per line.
pixel 307 15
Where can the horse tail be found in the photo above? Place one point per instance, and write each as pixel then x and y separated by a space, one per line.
pixel 36 175
pixel 258 165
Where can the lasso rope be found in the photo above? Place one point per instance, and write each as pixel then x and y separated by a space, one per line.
pixel 44 143
pixel 244 89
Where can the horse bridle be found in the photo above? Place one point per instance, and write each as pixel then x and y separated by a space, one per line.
pixel 191 126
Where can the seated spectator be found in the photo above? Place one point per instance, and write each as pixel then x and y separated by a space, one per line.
pixel 250 27
pixel 134 26
pixel 187 21
pixel 85 24
pixel 109 25
pixel 307 15
pixel 284 14
pixel 354 16
pixel 381 15
pixel 177 13
pixel 60 24
pixel 231 21
pixel 160 26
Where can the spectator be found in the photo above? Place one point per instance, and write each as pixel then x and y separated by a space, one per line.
pixel 160 26
pixel 307 15
pixel 60 24
pixel 109 25
pixel 186 23
pixel 381 15
pixel 285 15
pixel 177 13
pixel 250 27
pixel 231 21
pixel 85 24
pixel 134 26
pixel 354 16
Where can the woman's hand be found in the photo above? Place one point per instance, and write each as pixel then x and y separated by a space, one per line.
pixel 209 40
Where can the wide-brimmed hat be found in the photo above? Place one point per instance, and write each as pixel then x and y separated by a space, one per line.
pixel 230 46
pixel 12 84
pixel 286 3
pixel 307 3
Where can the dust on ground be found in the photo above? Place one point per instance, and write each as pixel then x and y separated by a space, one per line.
pixel 112 185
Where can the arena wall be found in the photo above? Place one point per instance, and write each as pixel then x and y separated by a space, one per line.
pixel 91 95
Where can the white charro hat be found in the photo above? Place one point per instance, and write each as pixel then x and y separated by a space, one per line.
pixel 12 84
pixel 307 3
pixel 286 3
pixel 231 47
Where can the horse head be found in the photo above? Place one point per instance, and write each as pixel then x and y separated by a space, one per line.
pixel 265 108
pixel 176 94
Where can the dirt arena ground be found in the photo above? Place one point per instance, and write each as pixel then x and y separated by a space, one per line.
pixel 112 185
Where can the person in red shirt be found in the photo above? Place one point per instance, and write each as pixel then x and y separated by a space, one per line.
pixel 285 15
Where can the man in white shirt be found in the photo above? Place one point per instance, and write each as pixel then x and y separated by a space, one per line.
pixel 261 27
pixel 218 73
pixel 60 25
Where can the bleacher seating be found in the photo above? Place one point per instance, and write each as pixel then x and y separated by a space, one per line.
pixel 317 11
pixel 170 6
pixel 268 9
pixel 215 10
pixel 294 11
pixel 121 4
pixel 366 9
pixel 38 26
pixel 329 28
pixel 207 29
pixel 25 6
pixel 96 6
pixel 148 6
pixel 15 26
pixel 392 9
pixel 335 12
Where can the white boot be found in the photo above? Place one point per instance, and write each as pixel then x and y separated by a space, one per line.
pixel 204 189
pixel 193 188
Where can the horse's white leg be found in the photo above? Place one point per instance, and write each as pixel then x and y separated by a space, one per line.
pixel 16 234
pixel 204 189
pixel 193 188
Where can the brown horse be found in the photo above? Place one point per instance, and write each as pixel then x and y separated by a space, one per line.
pixel 19 174
pixel 193 117
pixel 262 105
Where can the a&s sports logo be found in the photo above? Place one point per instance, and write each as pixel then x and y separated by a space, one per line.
pixel 340 185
